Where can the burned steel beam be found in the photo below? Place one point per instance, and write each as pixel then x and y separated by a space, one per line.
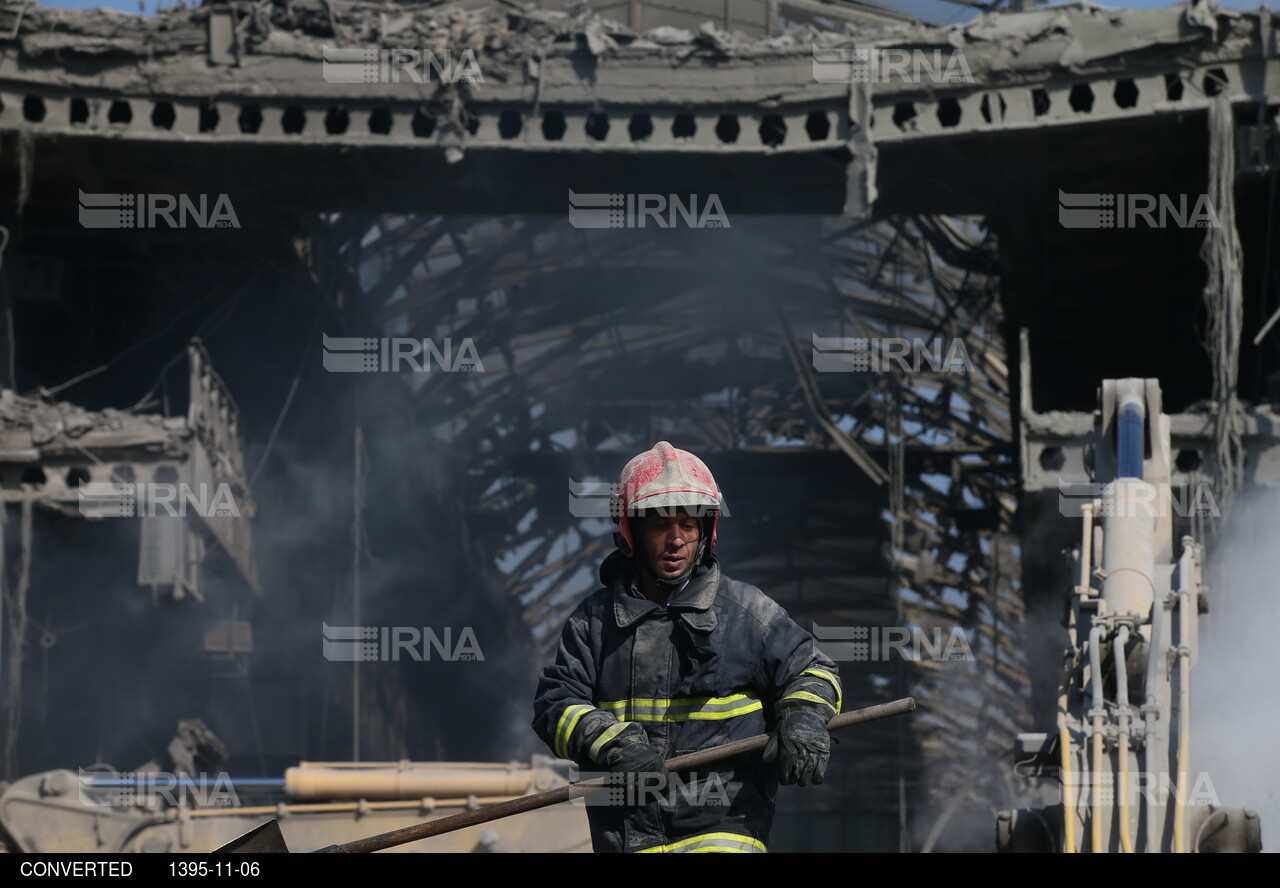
pixel 547 82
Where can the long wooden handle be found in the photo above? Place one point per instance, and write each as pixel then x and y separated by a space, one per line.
pixel 704 757
pixel 565 793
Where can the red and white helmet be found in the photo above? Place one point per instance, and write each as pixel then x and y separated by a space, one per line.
pixel 662 479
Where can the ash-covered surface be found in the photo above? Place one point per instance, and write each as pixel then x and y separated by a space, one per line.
pixel 506 35
pixel 31 422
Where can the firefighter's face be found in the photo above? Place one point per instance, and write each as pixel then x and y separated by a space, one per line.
pixel 670 543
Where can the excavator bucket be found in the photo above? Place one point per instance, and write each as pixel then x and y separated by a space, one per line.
pixel 263 839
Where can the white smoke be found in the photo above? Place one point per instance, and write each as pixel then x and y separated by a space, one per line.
pixel 1234 716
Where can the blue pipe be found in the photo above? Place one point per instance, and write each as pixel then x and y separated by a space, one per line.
pixel 1130 447
pixel 173 780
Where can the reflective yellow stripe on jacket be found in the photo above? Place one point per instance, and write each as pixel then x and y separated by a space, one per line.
pixel 564 728
pixel 682 709
pixel 814 698
pixel 831 679
pixel 731 843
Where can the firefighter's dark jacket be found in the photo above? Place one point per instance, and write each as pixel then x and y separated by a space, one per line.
pixel 710 667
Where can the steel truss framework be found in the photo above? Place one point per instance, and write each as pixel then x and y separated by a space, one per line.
pixel 594 344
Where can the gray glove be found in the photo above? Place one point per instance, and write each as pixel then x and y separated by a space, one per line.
pixel 801 744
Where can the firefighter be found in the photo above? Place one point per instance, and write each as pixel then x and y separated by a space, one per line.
pixel 671 656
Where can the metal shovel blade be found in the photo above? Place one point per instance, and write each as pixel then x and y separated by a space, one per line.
pixel 263 839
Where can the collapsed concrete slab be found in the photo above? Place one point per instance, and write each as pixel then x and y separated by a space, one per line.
pixel 453 79
pixel 182 477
